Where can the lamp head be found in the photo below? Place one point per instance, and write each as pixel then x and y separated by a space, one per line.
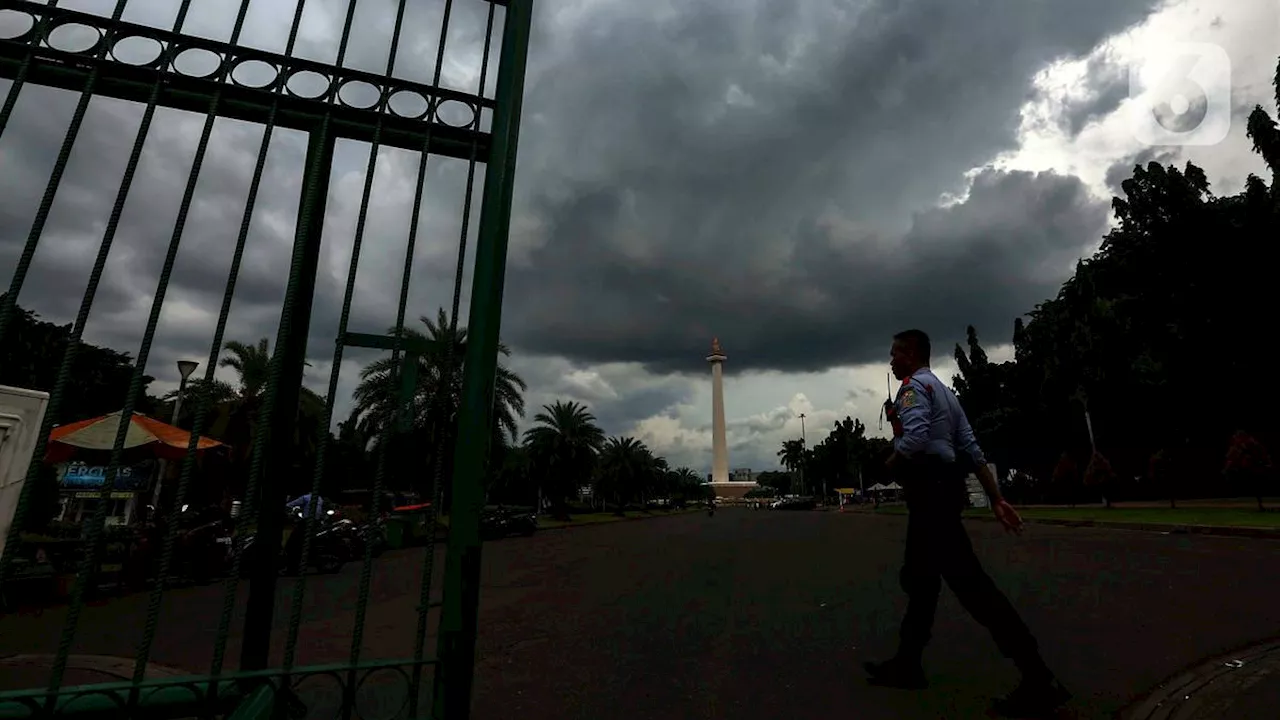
pixel 186 367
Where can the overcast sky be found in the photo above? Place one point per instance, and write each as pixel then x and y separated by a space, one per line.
pixel 800 179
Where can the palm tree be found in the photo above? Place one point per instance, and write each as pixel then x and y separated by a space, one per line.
pixel 234 409
pixel 563 444
pixel 437 397
pixel 508 479
pixel 661 482
pixel 625 463
pixel 686 485
pixel 792 454
pixel 251 362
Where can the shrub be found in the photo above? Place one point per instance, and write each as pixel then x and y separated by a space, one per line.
pixel 1248 462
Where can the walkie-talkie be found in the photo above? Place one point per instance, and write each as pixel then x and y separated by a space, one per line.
pixel 884 409
pixel 889 413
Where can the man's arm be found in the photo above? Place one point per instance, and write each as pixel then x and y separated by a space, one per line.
pixel 967 443
pixel 989 483
pixel 913 412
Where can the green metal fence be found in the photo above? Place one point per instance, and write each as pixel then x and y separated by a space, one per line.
pixel 436 684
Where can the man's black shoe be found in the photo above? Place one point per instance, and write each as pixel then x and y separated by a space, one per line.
pixel 896 673
pixel 1032 700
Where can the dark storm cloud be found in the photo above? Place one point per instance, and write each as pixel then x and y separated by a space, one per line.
pixel 750 170
pixel 1123 170
pixel 617 396
pixel 756 178
pixel 835 298
pixel 1106 86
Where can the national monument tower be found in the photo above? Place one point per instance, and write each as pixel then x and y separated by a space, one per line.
pixel 721 485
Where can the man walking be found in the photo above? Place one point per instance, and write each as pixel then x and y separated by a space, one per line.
pixel 934 450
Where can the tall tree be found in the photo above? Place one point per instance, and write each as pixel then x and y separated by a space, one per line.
pixel 792 454
pixel 625 467
pixel 233 411
pixel 436 398
pixel 1136 326
pixel 562 446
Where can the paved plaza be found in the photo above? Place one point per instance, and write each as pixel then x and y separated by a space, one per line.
pixel 760 614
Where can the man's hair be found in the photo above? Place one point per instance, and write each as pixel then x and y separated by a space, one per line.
pixel 918 342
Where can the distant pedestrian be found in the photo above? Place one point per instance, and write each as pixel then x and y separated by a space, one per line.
pixel 934 449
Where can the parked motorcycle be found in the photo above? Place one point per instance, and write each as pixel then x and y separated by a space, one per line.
pixel 359 537
pixel 201 550
pixel 500 522
pixel 329 548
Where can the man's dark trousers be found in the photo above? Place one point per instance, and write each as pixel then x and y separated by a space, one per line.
pixel 938 549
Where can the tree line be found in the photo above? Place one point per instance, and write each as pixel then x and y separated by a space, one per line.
pixel 845 458
pixel 562 454
pixel 1146 376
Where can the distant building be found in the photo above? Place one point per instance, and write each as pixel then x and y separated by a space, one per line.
pixel 744 475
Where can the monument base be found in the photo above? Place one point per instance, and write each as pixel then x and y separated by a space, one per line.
pixel 730 490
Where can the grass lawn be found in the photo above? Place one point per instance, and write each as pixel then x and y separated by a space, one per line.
pixel 545 521
pixel 1219 516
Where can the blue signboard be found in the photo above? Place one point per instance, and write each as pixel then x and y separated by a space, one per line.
pixel 79 476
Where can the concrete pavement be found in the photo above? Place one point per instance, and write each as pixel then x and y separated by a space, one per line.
pixel 765 615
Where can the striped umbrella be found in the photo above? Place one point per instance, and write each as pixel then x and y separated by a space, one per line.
pixel 145 435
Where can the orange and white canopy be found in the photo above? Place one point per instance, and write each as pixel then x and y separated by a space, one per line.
pixel 145 434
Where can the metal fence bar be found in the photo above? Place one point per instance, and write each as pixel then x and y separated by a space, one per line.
pixel 143 653
pixel 282 403
pixel 295 612
pixel 231 584
pixel 429 557
pixel 70 70
pixel 435 486
pixel 261 605
pixel 458 622
pixel 94 541
pixel 9 300
pixel 389 430
pixel 9 303
pixel 178 697
pixel 19 81
pixel 330 119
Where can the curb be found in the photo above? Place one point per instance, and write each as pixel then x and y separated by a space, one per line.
pixel 1215 530
pixel 1206 691
pixel 571 525
pixel 120 669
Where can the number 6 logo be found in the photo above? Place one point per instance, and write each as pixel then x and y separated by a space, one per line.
pixel 1181 95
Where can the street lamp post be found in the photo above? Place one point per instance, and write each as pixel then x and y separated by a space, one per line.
pixel 185 368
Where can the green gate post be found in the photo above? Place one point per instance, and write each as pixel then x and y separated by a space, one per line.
pixel 290 359
pixel 461 595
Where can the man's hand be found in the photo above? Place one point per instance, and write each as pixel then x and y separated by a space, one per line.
pixel 1007 516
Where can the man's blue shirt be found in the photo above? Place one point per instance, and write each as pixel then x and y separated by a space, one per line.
pixel 933 423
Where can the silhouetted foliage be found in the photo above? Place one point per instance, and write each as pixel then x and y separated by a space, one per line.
pixel 1179 289
pixel 99 378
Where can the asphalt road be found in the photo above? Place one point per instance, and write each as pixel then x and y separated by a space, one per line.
pixel 758 614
